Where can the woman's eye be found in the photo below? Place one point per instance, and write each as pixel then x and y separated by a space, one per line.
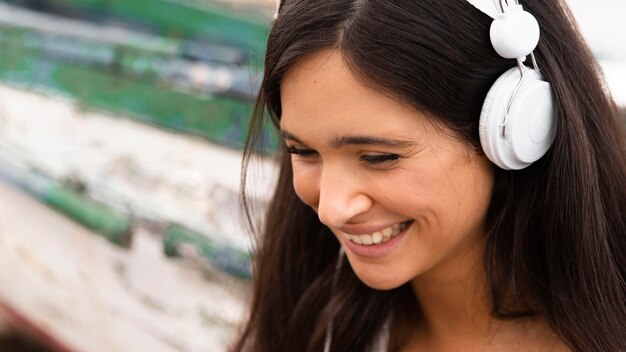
pixel 301 152
pixel 379 158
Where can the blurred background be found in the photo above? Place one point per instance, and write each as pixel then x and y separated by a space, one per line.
pixel 121 128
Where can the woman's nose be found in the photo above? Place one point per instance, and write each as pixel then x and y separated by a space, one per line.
pixel 341 198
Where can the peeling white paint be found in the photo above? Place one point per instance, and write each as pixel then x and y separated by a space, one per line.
pixel 152 173
pixel 92 296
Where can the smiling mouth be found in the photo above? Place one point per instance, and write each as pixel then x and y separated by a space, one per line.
pixel 382 236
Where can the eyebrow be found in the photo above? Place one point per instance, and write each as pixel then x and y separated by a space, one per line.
pixel 342 141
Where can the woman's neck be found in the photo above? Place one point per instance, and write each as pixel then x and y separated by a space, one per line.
pixel 455 313
pixel 453 298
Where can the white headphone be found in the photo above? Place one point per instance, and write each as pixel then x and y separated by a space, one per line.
pixel 517 122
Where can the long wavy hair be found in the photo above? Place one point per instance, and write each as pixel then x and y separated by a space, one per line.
pixel 556 240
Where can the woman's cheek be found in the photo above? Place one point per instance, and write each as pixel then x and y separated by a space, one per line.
pixel 306 185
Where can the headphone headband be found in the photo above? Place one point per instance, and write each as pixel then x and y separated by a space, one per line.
pixel 488 7
pixel 277 8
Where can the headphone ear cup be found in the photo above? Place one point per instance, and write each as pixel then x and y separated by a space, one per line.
pixel 529 125
pixel 489 123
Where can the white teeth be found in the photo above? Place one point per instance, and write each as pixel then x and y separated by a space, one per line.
pixel 366 239
pixel 381 236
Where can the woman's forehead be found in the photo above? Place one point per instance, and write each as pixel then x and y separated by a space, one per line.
pixel 326 79
pixel 322 92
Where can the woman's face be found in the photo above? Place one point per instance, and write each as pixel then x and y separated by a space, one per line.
pixel 404 196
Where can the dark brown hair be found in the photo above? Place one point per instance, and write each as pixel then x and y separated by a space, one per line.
pixel 557 229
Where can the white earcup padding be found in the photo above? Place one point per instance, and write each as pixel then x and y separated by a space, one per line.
pixel 529 124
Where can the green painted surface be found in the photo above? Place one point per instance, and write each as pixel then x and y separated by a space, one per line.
pixel 184 19
pixel 128 79
pixel 114 226
pixel 123 80
pixel 225 258
pixel 220 119
pixel 147 61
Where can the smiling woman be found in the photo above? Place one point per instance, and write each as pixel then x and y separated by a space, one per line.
pixel 392 186
pixel 474 216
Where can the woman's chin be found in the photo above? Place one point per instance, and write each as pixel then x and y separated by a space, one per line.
pixel 381 282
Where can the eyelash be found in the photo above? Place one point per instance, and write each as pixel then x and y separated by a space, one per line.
pixel 369 159
pixel 379 158
pixel 300 152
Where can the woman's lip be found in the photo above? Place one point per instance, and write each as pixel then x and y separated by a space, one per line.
pixel 366 230
pixel 377 250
